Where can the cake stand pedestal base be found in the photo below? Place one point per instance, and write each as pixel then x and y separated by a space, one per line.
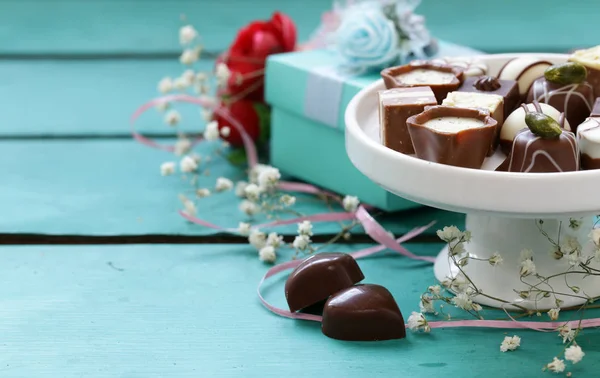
pixel 509 236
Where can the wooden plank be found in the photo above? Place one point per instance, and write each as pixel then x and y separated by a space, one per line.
pixel 150 27
pixel 87 98
pixel 192 311
pixel 114 188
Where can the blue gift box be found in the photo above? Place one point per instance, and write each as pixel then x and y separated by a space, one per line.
pixel 308 92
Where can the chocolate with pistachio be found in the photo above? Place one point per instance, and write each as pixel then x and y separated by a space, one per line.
pixel 451 135
pixel 543 147
pixel 564 87
pixel 441 78
pixel 590 59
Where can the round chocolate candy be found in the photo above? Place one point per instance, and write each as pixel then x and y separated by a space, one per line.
pixel 318 277
pixel 524 70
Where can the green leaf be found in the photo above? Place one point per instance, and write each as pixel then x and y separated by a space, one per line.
pixel 264 117
pixel 237 156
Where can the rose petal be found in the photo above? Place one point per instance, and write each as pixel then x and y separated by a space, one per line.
pixel 286 28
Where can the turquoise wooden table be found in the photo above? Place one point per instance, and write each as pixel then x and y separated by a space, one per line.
pixel 86 288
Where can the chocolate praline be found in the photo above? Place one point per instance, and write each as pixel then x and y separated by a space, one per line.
pixel 465 148
pixel 508 89
pixel 363 313
pixel 319 276
pixel 588 138
pixel 390 77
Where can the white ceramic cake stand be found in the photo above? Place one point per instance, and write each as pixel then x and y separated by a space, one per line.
pixel 503 208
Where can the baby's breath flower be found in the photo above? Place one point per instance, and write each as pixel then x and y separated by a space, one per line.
pixel 527 268
pixel 553 313
pixel 162 106
pixel 207 114
pixel 249 208
pixel 172 118
pixel 188 76
pixel 305 228
pixel 556 253
pixel 165 85
pixel 223 184
pixel 256 171
pixel 571 245
pixel 222 73
pixel 595 236
pixel 182 146
pixel 463 301
pixel 180 84
pixel 287 200
pixel 435 289
pixel 189 207
pixel 416 321
pixel 557 366
pixel 257 239
pixel 449 233
pixel 267 254
pixel 477 307
pixel 187 34
pixel 426 304
pixel 269 177
pixel 510 343
pixel 301 242
pixel 188 164
pixel 244 228
pixel 350 203
pixel 274 240
pixel 252 192
pixel 211 132
pixel 189 56
pixel 566 333
pixel 202 193
pixel 526 254
pixel 574 354
pixel 496 259
pixel 575 223
pixel 225 131
pixel 201 76
pixel 167 168
pixel 240 188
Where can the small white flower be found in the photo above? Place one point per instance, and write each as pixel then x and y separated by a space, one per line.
pixel 202 193
pixel 244 228
pixel 575 259
pixel 189 207
pixel 274 240
pixel 566 333
pixel 305 228
pixel 350 203
pixel 240 189
pixel 172 118
pixel 252 192
pixel 456 247
pixel 526 254
pixel 256 171
pixel 222 73
pixel 556 252
pixel 225 131
pixel 301 242
pixel 258 239
pixel 527 268
pixel 574 354
pixel 570 245
pixel 435 289
pixel 426 304
pixel 249 208
pixel 188 164
pixel 180 84
pixel 268 177
pixel 223 184
pixel 165 85
pixel 201 76
pixel 449 233
pixel 188 76
pixel 463 301
pixel 207 114
pixel 167 168
pixel 458 284
pixel 417 321
pixel 557 366
pixel 553 313
pixel 477 307
pixel 510 343
pixel 496 259
pixel 182 146
pixel 267 254
pixel 575 224
pixel 287 200
pixel 189 56
pixel 162 106
pixel 211 132
pixel 595 236
pixel 187 34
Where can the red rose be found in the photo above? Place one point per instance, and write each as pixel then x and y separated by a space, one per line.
pixel 245 113
pixel 247 55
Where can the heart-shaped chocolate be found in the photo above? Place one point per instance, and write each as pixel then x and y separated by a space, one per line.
pixel 363 313
pixel 320 276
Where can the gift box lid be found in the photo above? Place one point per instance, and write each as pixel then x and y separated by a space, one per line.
pixel 313 84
